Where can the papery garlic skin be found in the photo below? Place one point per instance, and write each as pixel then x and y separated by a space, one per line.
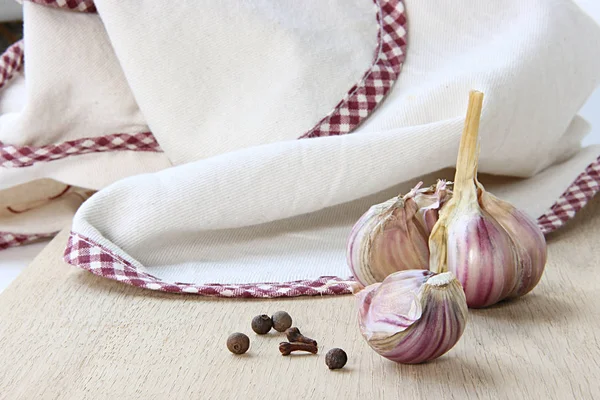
pixel 393 236
pixel 430 201
pixel 528 241
pixel 413 316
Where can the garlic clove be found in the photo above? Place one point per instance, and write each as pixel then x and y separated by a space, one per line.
pixel 527 239
pixel 387 239
pixel 393 236
pixel 413 316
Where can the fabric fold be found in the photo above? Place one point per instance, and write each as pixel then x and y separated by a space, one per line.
pixel 218 193
pixel 278 210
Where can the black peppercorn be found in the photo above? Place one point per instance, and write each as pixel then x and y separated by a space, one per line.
pixel 238 343
pixel 262 324
pixel 281 321
pixel 336 358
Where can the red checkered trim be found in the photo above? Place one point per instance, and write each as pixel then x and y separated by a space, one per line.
pixel 8 239
pixel 573 199
pixel 363 97
pixel 11 62
pixel 24 156
pixel 85 253
pixel 73 5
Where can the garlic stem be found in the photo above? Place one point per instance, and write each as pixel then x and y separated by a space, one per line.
pixel 468 153
pixel 465 192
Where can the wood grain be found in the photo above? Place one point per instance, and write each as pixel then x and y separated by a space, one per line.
pixel 66 334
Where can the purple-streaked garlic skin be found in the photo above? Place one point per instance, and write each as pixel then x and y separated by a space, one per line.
pixel 393 236
pixel 413 316
pixel 481 256
pixel 528 241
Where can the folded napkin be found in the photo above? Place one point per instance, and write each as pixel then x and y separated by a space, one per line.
pixel 283 122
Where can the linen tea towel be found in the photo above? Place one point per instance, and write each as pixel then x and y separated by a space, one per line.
pixel 231 92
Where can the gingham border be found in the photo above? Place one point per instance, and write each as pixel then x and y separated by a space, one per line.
pixel 85 253
pixel 377 81
pixel 89 255
pixel 8 239
pixel 585 186
pixel 72 5
pixel 25 156
pixel 11 61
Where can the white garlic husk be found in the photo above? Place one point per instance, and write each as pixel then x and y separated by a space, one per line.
pixel 492 248
pixel 413 316
pixel 393 236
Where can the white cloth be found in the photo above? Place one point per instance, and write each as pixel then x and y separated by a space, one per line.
pixel 228 87
pixel 275 210
pixel 216 76
pixel 71 88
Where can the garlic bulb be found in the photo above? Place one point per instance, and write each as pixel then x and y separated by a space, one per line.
pixel 413 316
pixel 492 248
pixel 393 236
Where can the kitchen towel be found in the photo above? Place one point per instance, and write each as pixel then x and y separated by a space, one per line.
pixel 275 126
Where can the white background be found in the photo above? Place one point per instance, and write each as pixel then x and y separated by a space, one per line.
pixel 12 261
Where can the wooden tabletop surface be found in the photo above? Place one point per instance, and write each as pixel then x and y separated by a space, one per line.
pixel 67 334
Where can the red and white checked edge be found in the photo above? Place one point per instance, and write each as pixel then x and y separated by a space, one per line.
pixel 8 239
pixel 73 5
pixel 377 81
pixel 585 186
pixel 89 255
pixel 85 253
pixel 25 156
pixel 11 61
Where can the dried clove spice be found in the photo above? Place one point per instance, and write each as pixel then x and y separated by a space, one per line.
pixel 287 348
pixel 293 335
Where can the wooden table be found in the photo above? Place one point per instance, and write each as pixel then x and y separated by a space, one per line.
pixel 65 333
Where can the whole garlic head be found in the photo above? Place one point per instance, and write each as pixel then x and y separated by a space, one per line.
pixel 492 248
pixel 413 316
pixel 393 236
